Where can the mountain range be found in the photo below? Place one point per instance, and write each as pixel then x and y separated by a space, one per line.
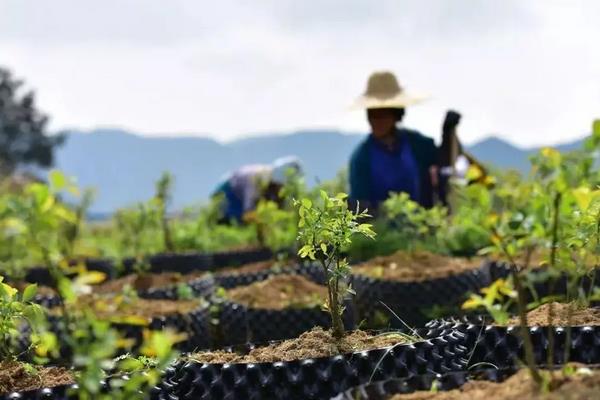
pixel 123 166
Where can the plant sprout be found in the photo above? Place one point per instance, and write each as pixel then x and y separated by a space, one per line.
pixel 325 230
pixel 164 189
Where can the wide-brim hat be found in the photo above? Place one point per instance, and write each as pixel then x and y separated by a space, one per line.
pixel 384 91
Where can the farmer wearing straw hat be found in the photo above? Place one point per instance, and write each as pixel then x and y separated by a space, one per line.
pixel 392 158
pixel 242 189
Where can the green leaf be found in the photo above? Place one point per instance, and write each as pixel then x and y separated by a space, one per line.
pixel 35 314
pixel 324 248
pixel 304 251
pixel 161 343
pixel 596 129
pixel 66 290
pixel 7 292
pixel 29 292
pixel 130 364
pixel 306 203
pixel 90 278
pixel 57 180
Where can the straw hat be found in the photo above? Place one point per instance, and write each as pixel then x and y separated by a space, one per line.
pixel 384 91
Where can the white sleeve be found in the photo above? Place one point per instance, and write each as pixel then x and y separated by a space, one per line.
pixel 250 193
pixel 246 183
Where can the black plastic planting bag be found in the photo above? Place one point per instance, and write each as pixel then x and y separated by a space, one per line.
pixel 196 326
pixel 200 287
pixel 503 346
pixel 240 324
pixel 383 390
pixel 413 302
pixel 65 392
pixel 184 263
pixel 47 300
pixel 311 271
pixel 42 276
pixel 314 378
pixel 239 257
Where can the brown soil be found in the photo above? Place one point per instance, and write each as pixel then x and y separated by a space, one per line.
pixel 537 259
pixel 46 291
pixel 419 266
pixel 520 386
pixel 15 378
pixel 247 268
pixel 279 292
pixel 580 316
pixel 312 344
pixel 118 308
pixel 145 282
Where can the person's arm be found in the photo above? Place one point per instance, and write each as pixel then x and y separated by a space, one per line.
pixel 434 176
pixel 250 193
pixel 359 174
pixel 255 179
pixel 426 153
pixel 353 177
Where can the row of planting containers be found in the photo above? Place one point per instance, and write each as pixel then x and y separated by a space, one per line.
pixel 404 303
pixel 183 263
pixel 447 351
pixel 240 324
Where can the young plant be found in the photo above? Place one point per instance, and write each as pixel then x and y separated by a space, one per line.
pixel 276 227
pixel 496 300
pixel 325 230
pixel 136 228
pixel 14 250
pixel 198 229
pixel 145 371
pixel 420 226
pixel 164 189
pixel 38 217
pixel 15 310
pixel 72 230
pixel 466 234
pixel 94 345
pixel 513 233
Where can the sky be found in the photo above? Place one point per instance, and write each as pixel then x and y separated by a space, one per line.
pixel 525 70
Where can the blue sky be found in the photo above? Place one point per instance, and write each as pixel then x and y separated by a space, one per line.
pixel 526 70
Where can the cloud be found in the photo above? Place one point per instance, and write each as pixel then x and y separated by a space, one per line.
pixel 524 70
pixel 430 18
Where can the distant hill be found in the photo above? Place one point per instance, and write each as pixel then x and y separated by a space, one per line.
pixel 123 166
pixel 501 154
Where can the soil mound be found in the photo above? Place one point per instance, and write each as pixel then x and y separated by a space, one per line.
pixel 312 344
pixel 279 292
pixel 579 316
pixel 14 377
pixel 418 266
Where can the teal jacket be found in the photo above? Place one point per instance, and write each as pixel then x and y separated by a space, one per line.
pixel 424 150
